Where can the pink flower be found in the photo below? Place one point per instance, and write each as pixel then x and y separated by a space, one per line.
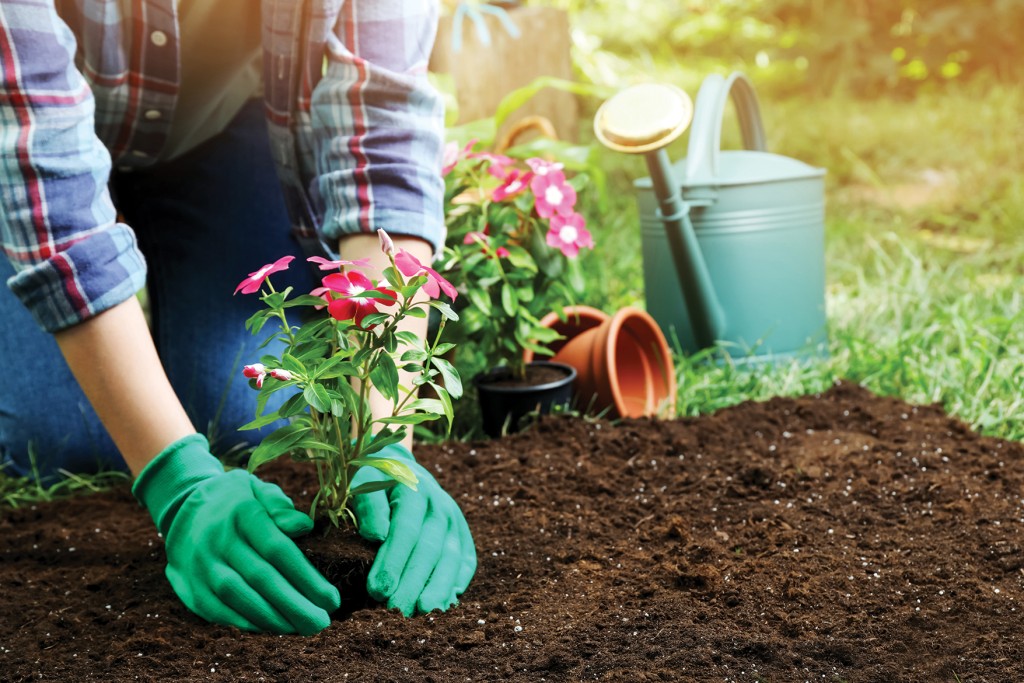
pixel 568 234
pixel 453 155
pixel 281 375
pixel 335 265
pixel 256 371
pixel 410 266
pixel 355 308
pixel 255 279
pixel 475 238
pixel 499 163
pixel 502 252
pixel 324 294
pixel 553 194
pixel 386 245
pixel 516 182
pixel 543 167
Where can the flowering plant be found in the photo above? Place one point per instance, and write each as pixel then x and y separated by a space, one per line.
pixel 349 343
pixel 513 238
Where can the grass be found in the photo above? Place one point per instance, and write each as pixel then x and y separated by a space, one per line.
pixel 16 492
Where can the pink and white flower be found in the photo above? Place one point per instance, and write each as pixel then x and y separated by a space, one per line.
pixel 515 182
pixel 569 234
pixel 410 266
pixel 386 245
pixel 256 371
pixel 553 194
pixel 453 155
pixel 254 280
pixel 326 264
pixel 351 307
pixel 281 375
pixel 543 167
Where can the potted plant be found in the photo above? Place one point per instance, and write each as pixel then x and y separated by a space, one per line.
pixel 512 247
pixel 352 333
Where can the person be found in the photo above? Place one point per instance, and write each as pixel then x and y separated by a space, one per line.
pixel 226 134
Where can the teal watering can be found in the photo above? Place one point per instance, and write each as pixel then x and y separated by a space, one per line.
pixel 733 241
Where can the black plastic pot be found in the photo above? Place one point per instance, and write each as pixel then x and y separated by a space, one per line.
pixel 502 404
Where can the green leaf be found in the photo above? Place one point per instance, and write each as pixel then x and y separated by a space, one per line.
pixel 384 376
pixel 305 300
pixel 372 486
pixel 409 339
pixel 293 406
pixel 416 313
pixel 480 299
pixel 413 355
pixel 384 439
pixel 443 348
pixel 396 469
pixel 411 419
pixel 375 319
pixel 446 403
pixel 268 388
pixel 447 311
pixel 293 364
pixel 509 301
pixel 274 300
pixel 452 381
pixel 261 421
pixel 276 444
pixel 316 395
pixel 521 259
pixel 315 444
pixel 338 366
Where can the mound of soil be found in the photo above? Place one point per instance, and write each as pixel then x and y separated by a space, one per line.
pixel 839 537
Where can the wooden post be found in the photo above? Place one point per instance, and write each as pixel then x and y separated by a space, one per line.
pixel 484 74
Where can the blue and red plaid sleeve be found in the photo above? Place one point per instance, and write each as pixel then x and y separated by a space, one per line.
pixel 371 127
pixel 58 226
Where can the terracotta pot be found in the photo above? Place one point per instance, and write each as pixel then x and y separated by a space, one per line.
pixel 622 361
pixel 503 402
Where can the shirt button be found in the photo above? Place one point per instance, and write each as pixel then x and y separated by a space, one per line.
pixel 152 114
pixel 159 38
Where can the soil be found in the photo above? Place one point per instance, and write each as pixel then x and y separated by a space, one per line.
pixel 536 375
pixel 839 537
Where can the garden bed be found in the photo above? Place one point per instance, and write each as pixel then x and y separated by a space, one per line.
pixel 842 537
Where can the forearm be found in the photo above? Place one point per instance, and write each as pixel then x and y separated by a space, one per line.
pixel 359 246
pixel 113 357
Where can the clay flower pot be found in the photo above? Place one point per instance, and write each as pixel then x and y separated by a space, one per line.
pixel 622 361
pixel 504 399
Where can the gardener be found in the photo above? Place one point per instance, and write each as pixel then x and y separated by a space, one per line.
pixel 153 110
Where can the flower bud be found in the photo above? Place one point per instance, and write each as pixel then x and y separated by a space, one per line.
pixel 255 370
pixel 386 245
pixel 281 375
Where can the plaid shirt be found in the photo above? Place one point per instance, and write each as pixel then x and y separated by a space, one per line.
pixel 355 130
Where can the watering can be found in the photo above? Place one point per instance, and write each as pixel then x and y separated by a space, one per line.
pixel 733 241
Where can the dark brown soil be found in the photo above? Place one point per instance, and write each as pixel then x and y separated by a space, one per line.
pixel 841 537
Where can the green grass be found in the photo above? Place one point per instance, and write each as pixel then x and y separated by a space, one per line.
pixel 925 265
pixel 16 492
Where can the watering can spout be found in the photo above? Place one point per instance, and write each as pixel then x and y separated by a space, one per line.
pixel 645 119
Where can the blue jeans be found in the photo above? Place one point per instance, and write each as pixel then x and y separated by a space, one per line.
pixel 204 221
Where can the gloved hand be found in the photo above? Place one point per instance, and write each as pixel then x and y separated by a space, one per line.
pixel 428 557
pixel 230 557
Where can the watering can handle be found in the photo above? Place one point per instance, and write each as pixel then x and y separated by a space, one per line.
pixel 706 131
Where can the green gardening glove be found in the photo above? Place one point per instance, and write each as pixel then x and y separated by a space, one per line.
pixel 427 558
pixel 230 557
